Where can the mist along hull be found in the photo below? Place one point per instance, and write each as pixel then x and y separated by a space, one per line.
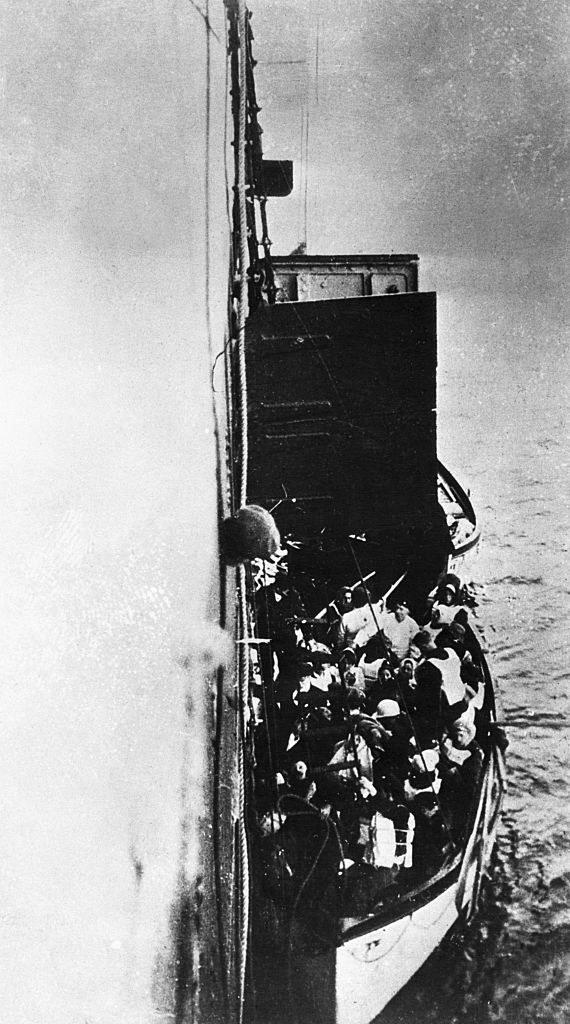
pixel 118 653
pixel 376 957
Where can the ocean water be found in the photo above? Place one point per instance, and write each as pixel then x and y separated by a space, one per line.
pixel 503 429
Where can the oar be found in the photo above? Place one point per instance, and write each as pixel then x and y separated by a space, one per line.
pixel 393 588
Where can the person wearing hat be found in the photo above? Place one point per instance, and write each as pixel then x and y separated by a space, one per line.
pixel 307 695
pixel 383 686
pixel 351 673
pixel 400 629
pixel 451 637
pixel 300 702
pixel 406 683
pixel 353 620
pixel 399 729
pixel 447 607
pixel 387 709
pixel 443 611
pixel 440 691
pixel 361 622
pixel 343 603
pixel 371 659
pixel 461 765
pixel 422 645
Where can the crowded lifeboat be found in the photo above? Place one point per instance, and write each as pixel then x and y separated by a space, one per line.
pixel 369 728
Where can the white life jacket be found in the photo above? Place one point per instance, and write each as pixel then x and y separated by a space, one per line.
pixel 370 671
pixel 389 846
pixel 452 684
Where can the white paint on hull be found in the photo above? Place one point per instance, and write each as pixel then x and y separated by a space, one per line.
pixel 372 969
pixel 463 561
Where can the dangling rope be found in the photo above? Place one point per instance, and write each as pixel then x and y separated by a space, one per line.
pixel 248 172
pixel 330 826
pixel 306 182
pixel 243 249
pixel 243 664
pixel 243 686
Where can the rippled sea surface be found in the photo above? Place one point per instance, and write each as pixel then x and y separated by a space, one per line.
pixel 503 430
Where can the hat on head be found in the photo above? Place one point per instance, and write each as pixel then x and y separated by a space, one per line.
pixel 463 731
pixel 451 587
pixel 388 709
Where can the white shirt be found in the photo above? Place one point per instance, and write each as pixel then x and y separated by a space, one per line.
pixel 400 634
pixel 359 624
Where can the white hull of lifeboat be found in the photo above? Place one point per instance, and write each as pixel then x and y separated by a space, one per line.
pixel 372 968
pixel 462 560
pixel 462 521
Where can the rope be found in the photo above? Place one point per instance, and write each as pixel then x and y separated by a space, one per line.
pixel 266 279
pixel 218 881
pixel 312 811
pixel 243 903
pixel 306 183
pixel 269 706
pixel 243 249
pixel 243 663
